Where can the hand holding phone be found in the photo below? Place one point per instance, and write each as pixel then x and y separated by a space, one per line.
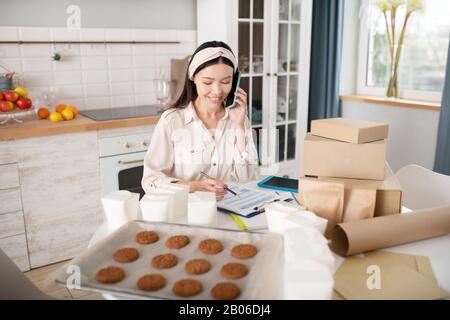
pixel 231 99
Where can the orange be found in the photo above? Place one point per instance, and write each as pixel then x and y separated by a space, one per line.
pixel 60 107
pixel 74 110
pixel 55 116
pixel 67 114
pixel 43 113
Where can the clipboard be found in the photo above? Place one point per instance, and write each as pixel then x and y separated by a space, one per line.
pixel 250 202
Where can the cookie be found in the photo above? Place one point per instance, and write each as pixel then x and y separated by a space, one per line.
pixel 210 246
pixel 244 251
pixel 126 255
pixel 110 275
pixel 233 271
pixel 147 237
pixel 164 261
pixel 225 291
pixel 151 282
pixel 177 242
pixel 197 266
pixel 187 288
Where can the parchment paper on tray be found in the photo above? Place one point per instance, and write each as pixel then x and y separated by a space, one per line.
pixel 263 268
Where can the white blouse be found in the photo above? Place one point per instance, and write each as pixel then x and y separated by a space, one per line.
pixel 182 146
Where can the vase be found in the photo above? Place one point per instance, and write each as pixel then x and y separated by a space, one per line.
pixel 392 87
pixel 392 90
pixel 5 83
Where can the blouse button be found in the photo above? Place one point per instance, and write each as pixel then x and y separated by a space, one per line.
pixel 192 151
pixel 214 164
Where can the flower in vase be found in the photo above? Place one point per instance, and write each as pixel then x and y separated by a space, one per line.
pixel 397 3
pixel 395 38
pixel 415 5
pixel 384 5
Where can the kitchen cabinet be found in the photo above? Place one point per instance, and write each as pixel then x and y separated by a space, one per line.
pixel 272 39
pixel 12 227
pixel 10 200
pixel 15 247
pixel 11 224
pixel 51 186
pixel 9 176
pixel 7 153
pixel 60 189
pixel 50 190
pixel 12 238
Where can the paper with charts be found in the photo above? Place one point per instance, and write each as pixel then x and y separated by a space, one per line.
pixel 249 200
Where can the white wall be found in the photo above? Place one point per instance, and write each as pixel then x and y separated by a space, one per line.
pixel 219 27
pixel 94 76
pixel 350 47
pixel 412 132
pixel 140 14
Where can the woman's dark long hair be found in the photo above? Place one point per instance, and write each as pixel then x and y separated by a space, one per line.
pixel 189 93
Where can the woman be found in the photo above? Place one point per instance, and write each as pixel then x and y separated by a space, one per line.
pixel 198 134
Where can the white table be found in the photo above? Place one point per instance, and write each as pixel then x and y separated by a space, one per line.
pixel 437 249
pixel 224 221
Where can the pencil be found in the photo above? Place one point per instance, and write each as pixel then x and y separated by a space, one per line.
pixel 226 188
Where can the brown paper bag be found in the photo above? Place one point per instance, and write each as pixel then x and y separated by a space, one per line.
pixel 420 264
pixel 359 203
pixel 400 278
pixel 389 191
pixel 326 199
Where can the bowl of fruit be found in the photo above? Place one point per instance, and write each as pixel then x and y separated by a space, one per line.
pixel 14 103
pixel 62 112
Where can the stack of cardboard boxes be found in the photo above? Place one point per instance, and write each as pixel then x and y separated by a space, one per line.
pixel 353 153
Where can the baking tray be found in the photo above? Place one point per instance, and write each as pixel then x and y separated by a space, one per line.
pixel 264 268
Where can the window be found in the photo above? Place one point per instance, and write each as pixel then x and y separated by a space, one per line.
pixel 424 56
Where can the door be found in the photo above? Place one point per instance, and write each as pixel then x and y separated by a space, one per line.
pixel 113 172
pixel 287 80
pixel 252 43
pixel 273 52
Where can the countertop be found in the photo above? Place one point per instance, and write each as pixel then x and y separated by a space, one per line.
pixel 36 127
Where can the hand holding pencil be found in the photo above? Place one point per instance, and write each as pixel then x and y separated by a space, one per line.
pixel 220 187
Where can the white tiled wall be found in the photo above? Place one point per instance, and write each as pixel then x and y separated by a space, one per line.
pixel 93 76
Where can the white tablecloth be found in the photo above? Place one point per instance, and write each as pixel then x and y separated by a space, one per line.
pixel 437 249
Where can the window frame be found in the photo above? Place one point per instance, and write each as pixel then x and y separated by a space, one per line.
pixel 363 63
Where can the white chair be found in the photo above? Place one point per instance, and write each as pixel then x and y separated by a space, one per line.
pixel 423 188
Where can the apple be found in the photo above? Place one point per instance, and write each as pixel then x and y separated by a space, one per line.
pixel 11 96
pixel 1 95
pixel 6 106
pixel 24 103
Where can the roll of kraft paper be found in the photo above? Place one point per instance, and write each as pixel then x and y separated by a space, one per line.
pixel 371 234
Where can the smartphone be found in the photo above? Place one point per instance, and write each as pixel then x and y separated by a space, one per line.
pixel 231 99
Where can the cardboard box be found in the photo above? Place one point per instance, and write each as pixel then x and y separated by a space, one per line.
pixel 389 191
pixel 332 158
pixel 349 130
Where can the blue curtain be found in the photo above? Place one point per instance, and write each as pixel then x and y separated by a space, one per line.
pixel 326 50
pixel 442 161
